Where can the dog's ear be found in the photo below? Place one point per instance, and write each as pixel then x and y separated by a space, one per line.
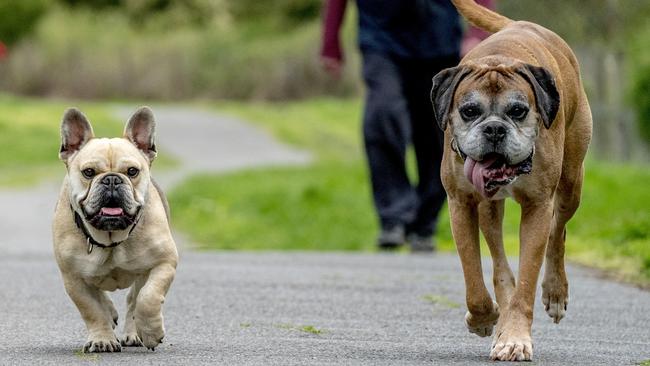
pixel 141 131
pixel 76 131
pixel 442 92
pixel 547 97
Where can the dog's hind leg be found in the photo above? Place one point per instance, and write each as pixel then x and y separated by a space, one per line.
pixel 555 287
pixel 131 338
pixel 109 307
pixel 491 224
pixel 482 313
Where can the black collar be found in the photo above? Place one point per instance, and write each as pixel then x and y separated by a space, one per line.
pixel 89 239
pixel 457 150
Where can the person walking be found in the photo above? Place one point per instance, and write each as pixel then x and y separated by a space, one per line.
pixel 403 45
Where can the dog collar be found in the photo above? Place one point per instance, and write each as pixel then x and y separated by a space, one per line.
pixel 89 239
pixel 457 150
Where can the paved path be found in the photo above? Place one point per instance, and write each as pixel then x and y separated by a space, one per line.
pixel 265 308
pixel 203 142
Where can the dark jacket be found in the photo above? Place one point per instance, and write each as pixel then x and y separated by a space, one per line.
pixel 417 29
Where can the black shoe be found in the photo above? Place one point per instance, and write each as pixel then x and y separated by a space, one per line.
pixel 421 243
pixel 391 239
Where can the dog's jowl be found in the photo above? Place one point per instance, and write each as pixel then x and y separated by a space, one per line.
pixel 517 124
pixel 111 231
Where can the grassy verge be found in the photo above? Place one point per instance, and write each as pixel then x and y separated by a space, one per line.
pixel 29 136
pixel 327 206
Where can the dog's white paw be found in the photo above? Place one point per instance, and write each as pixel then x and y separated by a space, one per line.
pixel 512 349
pixel 555 297
pixel 482 325
pixel 102 344
pixel 131 340
pixel 151 331
pixel 509 345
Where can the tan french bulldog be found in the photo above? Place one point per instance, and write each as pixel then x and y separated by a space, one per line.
pixel 517 124
pixel 111 231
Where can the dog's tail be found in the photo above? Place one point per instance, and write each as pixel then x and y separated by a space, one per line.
pixel 481 16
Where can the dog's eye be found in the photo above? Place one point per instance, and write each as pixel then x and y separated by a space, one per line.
pixel 88 172
pixel 132 172
pixel 517 112
pixel 470 113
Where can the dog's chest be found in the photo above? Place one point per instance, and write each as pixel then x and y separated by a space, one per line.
pixel 503 193
pixel 110 270
pixel 115 279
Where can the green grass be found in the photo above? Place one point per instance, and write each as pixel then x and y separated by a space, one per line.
pixel 301 328
pixel 30 139
pixel 29 136
pixel 295 208
pixel 327 205
pixel 441 301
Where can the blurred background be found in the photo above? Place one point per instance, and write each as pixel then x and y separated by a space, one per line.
pixel 258 61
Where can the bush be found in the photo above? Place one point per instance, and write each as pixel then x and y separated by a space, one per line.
pixel 17 18
pixel 640 79
pixel 82 59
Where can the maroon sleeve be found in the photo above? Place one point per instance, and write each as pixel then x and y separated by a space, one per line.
pixel 473 32
pixel 334 10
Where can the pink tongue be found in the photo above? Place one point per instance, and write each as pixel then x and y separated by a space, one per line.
pixel 474 171
pixel 112 211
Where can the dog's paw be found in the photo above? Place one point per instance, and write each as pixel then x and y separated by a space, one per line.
pixel 555 297
pixel 511 345
pixel 151 333
pixel 512 349
pixel 151 339
pixel 102 344
pixel 131 340
pixel 484 324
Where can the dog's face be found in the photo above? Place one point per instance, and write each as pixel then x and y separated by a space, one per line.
pixel 495 113
pixel 108 177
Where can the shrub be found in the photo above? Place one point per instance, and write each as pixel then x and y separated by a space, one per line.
pixel 104 55
pixel 17 18
pixel 639 65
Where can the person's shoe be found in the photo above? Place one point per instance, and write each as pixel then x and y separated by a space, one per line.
pixel 421 243
pixel 391 239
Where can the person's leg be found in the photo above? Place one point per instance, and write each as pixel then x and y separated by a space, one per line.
pixel 428 144
pixel 387 131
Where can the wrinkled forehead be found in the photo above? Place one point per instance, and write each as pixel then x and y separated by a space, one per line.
pixel 493 86
pixel 110 153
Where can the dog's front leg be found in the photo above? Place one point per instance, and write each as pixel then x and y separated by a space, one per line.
pixel 482 313
pixel 513 341
pixel 98 318
pixel 148 307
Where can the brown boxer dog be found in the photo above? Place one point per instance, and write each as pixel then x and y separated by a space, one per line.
pixel 517 123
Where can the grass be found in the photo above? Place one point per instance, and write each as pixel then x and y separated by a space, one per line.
pixel 441 301
pixel 327 205
pixel 29 135
pixel 301 328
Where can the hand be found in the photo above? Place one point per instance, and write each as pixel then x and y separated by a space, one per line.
pixel 332 66
pixel 468 44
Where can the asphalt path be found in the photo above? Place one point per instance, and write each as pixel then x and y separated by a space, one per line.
pixel 290 308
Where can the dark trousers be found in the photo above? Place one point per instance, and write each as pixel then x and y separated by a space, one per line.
pixel 398 112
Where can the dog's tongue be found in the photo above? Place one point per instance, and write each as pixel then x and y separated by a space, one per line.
pixel 112 211
pixel 475 172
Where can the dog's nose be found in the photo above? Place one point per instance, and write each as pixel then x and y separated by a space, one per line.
pixel 112 180
pixel 495 132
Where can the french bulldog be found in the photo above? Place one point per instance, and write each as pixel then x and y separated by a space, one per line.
pixel 111 231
